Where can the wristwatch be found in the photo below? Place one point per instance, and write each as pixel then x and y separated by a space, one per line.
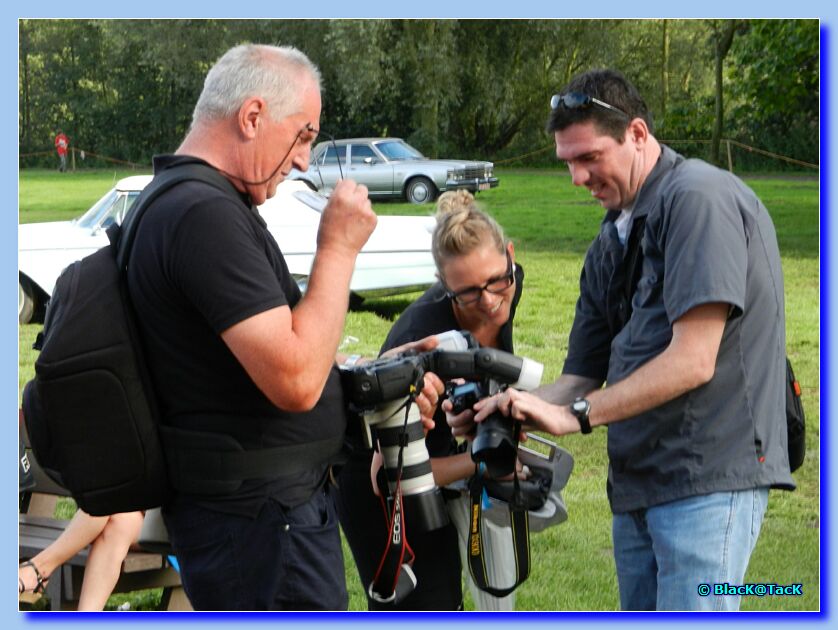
pixel 581 408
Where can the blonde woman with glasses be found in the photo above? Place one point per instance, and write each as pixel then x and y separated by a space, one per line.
pixel 478 290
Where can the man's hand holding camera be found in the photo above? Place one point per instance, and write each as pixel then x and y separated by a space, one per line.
pixel 535 414
pixel 532 411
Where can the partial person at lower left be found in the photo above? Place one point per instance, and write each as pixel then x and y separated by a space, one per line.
pixel 109 537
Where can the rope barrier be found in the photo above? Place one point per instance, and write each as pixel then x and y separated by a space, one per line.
pixel 86 153
pixel 697 141
pixel 504 161
pixel 116 161
pixel 774 155
pixel 525 155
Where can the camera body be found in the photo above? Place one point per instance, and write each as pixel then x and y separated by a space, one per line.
pixel 495 442
pixel 380 381
pixel 370 384
pixel 464 396
pixel 379 390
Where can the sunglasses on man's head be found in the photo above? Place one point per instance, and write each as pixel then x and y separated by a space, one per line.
pixel 578 100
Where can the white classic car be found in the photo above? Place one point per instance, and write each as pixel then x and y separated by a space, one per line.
pixel 396 259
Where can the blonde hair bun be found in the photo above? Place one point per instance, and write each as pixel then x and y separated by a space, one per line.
pixel 461 227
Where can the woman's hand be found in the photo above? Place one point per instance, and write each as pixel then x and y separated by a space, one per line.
pixel 428 399
pixel 462 424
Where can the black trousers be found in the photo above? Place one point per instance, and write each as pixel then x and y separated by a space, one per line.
pixel 284 559
pixel 437 565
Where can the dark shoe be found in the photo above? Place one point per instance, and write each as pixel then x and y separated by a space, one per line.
pixel 41 583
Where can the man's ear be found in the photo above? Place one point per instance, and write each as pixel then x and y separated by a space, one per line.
pixel 250 114
pixel 638 131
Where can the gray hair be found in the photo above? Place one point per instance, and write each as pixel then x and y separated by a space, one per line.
pixel 272 72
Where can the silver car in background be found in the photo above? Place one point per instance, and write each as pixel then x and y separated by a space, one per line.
pixel 389 167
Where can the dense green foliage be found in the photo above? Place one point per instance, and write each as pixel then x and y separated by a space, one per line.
pixel 124 89
pixel 551 223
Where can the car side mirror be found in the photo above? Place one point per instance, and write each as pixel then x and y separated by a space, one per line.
pixel 369 160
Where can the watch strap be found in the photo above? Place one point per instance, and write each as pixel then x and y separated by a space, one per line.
pixel 581 412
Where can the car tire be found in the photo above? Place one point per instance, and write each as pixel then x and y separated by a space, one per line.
pixel 25 302
pixel 420 190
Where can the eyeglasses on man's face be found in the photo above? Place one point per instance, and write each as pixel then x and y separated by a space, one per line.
pixel 579 100
pixel 499 284
pixel 308 133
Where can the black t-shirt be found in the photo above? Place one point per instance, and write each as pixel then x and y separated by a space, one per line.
pixel 204 261
pixel 431 314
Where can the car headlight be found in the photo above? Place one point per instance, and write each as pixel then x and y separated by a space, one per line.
pixel 456 175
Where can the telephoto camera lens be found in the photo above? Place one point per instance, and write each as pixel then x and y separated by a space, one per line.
pixel 423 501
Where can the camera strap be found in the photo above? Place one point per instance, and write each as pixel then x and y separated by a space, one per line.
pixel 394 580
pixel 519 522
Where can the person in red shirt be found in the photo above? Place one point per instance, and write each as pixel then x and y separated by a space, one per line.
pixel 62 142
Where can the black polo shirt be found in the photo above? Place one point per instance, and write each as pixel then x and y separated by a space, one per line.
pixel 707 238
pixel 203 261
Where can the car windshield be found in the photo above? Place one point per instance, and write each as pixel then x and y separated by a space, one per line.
pixel 112 207
pixel 398 150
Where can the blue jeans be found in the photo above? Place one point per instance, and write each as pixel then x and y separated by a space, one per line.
pixel 284 559
pixel 663 553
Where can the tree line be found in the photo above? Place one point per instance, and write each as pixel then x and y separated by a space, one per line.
pixel 453 88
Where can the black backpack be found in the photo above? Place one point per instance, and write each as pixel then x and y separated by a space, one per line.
pixel 795 419
pixel 90 412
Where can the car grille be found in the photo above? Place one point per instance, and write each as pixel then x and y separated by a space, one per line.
pixel 476 171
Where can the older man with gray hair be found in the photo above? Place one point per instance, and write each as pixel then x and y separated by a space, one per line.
pixel 244 367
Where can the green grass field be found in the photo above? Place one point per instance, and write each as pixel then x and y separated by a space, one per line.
pixel 551 224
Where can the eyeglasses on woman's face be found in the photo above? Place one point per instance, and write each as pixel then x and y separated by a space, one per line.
pixel 498 284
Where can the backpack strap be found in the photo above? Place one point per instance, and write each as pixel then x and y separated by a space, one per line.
pixel 122 236
pixel 633 261
pixel 202 463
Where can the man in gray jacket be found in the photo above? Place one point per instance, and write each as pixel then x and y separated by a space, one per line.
pixel 693 354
